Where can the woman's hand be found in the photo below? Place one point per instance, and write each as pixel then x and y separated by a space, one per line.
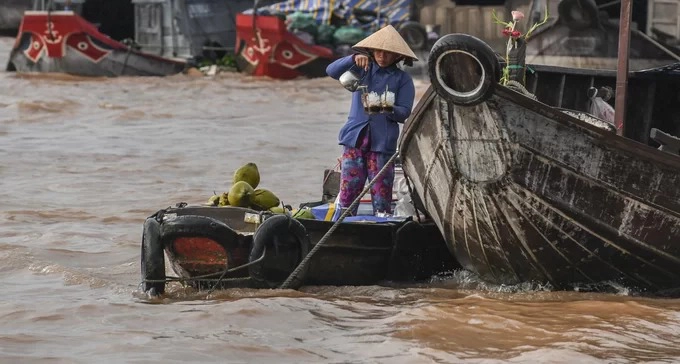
pixel 362 61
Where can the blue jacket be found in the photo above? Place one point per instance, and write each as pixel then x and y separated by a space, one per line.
pixel 384 127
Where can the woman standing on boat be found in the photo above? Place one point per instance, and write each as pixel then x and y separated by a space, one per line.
pixel 371 132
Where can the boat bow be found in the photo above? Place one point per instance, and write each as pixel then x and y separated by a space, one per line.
pixel 523 191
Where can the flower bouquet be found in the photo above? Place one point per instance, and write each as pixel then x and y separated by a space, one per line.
pixel 515 54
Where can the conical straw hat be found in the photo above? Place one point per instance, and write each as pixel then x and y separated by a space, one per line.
pixel 387 39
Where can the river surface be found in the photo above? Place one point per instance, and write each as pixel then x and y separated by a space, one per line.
pixel 85 161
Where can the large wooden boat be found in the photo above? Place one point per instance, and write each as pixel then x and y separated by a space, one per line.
pixel 524 189
pixel 64 42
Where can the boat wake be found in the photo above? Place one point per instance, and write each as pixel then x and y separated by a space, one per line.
pixel 466 280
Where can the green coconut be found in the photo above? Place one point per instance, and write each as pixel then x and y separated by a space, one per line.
pixel 223 199
pixel 239 194
pixel 303 213
pixel 263 199
pixel 247 173
pixel 278 210
pixel 214 200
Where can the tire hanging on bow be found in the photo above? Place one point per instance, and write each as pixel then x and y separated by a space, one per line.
pixel 463 69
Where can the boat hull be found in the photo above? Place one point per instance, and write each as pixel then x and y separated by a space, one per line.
pixel 203 241
pixel 266 48
pixel 74 46
pixel 522 191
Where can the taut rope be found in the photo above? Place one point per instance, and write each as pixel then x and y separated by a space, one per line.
pixel 323 240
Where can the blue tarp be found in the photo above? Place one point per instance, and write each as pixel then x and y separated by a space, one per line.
pixel 391 11
pixel 375 219
pixel 332 212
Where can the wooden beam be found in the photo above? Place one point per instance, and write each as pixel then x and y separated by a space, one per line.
pixel 622 70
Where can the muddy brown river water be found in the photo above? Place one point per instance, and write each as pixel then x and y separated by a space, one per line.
pixel 85 161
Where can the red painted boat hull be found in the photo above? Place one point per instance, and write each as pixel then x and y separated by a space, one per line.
pixel 266 48
pixel 64 42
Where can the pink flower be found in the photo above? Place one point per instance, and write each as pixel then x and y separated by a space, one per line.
pixel 507 31
pixel 517 15
pixel 515 34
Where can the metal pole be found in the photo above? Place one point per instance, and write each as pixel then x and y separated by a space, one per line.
pixel 622 70
pixel 377 18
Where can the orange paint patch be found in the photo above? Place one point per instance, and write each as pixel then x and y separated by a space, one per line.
pixel 200 250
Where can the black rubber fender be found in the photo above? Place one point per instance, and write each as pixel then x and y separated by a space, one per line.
pixel 287 243
pixel 152 258
pixel 364 16
pixel 196 225
pixel 463 69
pixel 578 14
pixel 414 34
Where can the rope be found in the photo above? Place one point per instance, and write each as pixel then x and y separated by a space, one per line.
pixel 192 279
pixel 517 86
pixel 410 192
pixel 330 231
pixel 219 280
pixel 203 277
pixel 127 56
pixel 50 25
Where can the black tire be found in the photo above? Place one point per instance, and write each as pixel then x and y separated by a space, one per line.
pixel 152 259
pixel 414 34
pixel 364 16
pixel 579 14
pixel 463 69
pixel 287 243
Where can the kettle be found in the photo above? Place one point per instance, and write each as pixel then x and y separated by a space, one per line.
pixel 350 80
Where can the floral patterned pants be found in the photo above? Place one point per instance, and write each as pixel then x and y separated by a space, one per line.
pixel 360 163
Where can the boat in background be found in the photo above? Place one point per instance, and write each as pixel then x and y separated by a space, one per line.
pixel 189 29
pixel 126 37
pixel 269 49
pixel 525 189
pixel 268 45
pixel 653 90
pixel 583 34
pixel 64 42
pixel 11 12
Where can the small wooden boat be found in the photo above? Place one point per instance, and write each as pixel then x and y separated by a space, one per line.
pixel 228 247
pixel 525 191
pixel 64 42
pixel 225 247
